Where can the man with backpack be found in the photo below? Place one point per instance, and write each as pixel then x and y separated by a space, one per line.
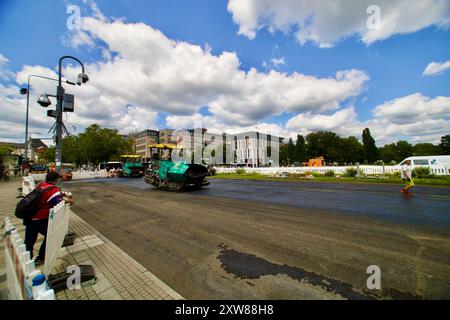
pixel 2 170
pixel 47 195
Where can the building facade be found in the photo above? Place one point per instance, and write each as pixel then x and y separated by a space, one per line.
pixel 251 148
pixel 254 148
pixel 17 148
pixel 141 140
pixel 165 136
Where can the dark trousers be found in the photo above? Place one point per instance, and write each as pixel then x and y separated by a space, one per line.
pixel 32 230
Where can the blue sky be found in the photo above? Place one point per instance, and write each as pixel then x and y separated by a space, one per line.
pixel 32 34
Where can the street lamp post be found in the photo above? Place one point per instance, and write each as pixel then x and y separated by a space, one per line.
pixel 27 92
pixel 58 113
pixel 82 78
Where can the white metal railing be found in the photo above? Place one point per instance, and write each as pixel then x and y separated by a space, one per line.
pixel 58 227
pixel 364 169
pixel 19 266
pixel 76 175
pixel 89 174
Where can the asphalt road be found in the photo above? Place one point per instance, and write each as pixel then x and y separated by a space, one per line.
pixel 278 240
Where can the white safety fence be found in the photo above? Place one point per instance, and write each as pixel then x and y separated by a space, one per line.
pixel 58 227
pixel 20 269
pixel 89 174
pixel 364 169
pixel 77 175
pixel 440 170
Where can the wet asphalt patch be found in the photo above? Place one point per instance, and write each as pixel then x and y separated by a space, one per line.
pixel 249 266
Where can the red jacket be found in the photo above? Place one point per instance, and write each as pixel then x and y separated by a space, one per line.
pixel 48 200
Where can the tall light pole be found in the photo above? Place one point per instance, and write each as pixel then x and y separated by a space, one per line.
pixel 58 113
pixel 82 78
pixel 27 92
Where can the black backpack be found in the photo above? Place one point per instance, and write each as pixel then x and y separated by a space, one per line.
pixel 28 206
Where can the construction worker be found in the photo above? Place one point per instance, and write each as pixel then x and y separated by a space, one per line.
pixel 406 175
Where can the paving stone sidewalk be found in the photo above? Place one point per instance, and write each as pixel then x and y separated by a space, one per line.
pixel 119 276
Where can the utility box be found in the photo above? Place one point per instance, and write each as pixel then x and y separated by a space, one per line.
pixel 68 102
pixel 52 113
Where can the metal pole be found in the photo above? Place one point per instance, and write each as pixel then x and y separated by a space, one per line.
pixel 59 112
pixel 26 119
pixel 59 120
pixel 28 107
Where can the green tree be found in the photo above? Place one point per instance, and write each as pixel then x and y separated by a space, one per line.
pixel 283 153
pixel 97 144
pixel 49 154
pixel 351 150
pixel 71 152
pixel 404 150
pixel 444 146
pixel 4 149
pixel 300 149
pixel 425 149
pixel 369 148
pixel 396 151
pixel 388 153
pixel 323 143
pixel 291 151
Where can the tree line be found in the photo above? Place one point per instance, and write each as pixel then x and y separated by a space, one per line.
pixel 94 145
pixel 336 149
pixel 97 144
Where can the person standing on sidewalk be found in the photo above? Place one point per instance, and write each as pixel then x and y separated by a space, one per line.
pixel 2 170
pixel 406 175
pixel 37 223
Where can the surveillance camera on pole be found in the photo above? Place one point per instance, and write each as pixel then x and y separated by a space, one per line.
pixel 27 92
pixel 82 78
pixel 64 103
pixel 44 100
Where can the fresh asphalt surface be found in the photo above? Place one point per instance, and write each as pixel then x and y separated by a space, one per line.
pixel 429 206
pixel 250 239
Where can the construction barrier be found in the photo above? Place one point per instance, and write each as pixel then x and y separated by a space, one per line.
pixel 76 175
pixel 364 169
pixel 58 227
pixel 89 174
pixel 19 267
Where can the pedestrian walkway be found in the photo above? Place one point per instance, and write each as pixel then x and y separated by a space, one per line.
pixel 119 277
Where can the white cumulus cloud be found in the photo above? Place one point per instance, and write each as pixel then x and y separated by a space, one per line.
pixel 325 23
pixel 164 75
pixel 436 68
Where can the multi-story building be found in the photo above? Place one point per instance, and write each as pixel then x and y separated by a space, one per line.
pixel 250 148
pixel 254 148
pixel 165 136
pixel 36 149
pixel 16 148
pixel 141 140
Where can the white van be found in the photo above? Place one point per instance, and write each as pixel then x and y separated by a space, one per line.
pixel 439 165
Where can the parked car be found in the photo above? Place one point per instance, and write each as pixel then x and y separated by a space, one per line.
pixel 38 168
